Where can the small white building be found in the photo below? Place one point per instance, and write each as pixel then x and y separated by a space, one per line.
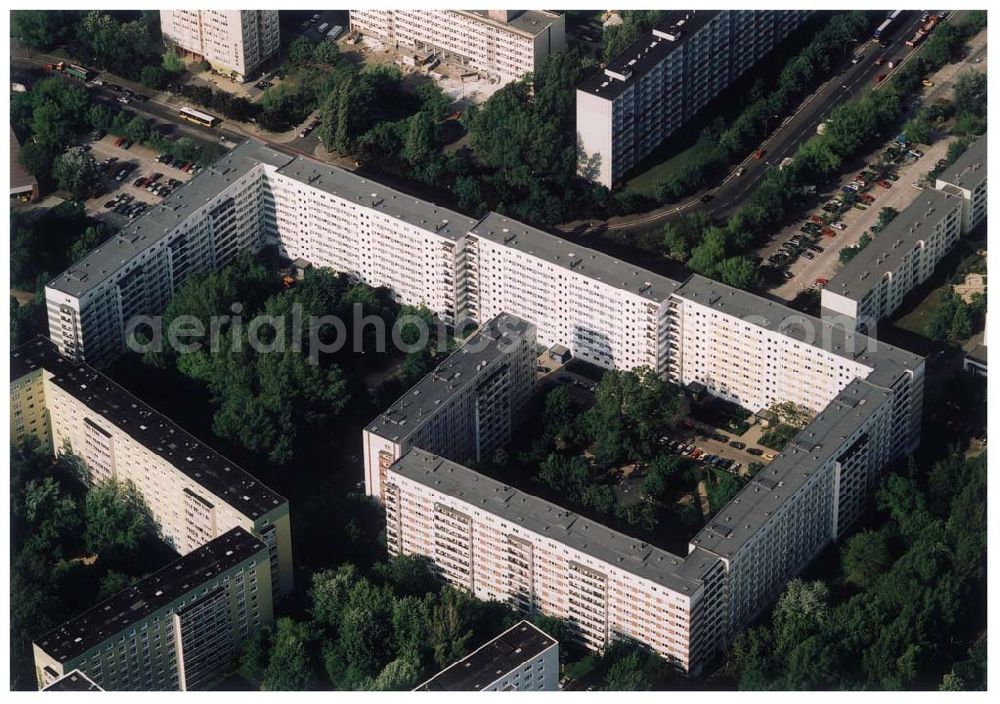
pixel 521 659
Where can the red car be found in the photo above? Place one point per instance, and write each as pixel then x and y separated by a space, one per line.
pixel 822 282
pixel 879 78
pixel 816 219
pixel 884 184
pixel 866 198
pixel 120 141
pixel 759 154
pixel 828 232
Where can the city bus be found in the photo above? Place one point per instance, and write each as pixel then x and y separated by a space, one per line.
pixel 198 117
pixel 883 29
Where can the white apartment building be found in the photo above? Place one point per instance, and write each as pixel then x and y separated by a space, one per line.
pixel 464 409
pixel 756 352
pixel 193 493
pixel 333 218
pixel 873 284
pixel 181 628
pixel 801 502
pixel 501 45
pixel 603 310
pixel 201 227
pixel 521 659
pixel 251 197
pixel 661 81
pixel 966 178
pixel 233 41
pixel 502 544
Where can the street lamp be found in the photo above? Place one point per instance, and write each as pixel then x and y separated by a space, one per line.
pixel 767 120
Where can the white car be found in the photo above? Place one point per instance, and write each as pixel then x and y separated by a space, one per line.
pixel 838 225
pixel 918 186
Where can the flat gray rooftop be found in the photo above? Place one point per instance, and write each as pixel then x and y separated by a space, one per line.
pixel 886 251
pixel 575 258
pixel 683 575
pixel 130 606
pixel 450 378
pixel 528 22
pixel 162 218
pixel 491 661
pixel 969 170
pixel 646 52
pixel 148 427
pixel 771 315
pixel 821 440
pixel 372 194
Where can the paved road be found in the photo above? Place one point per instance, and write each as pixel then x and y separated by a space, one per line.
pixel 783 142
pixel 27 67
pixel 900 196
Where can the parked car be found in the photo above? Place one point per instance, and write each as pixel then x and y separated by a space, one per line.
pixel 755 451
pixel 816 219
pixel 879 78
pixel 759 154
pixel 737 444
pixel 820 283
pixel 838 225
pixel 918 186
pixel 808 255
pixel 928 83
pixel 884 184
pixel 828 232
pixel 815 248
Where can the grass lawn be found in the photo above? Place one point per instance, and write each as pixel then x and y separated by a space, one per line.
pixel 917 320
pixel 645 182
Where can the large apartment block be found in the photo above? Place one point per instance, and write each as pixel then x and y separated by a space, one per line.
pixel 605 311
pixel 502 544
pixel 873 284
pixel 966 178
pixel 251 197
pixel 179 629
pixel 194 494
pixel 502 45
pixel 223 211
pixel 232 41
pixel 521 659
pixel 662 80
pixel 465 409
pixel 499 543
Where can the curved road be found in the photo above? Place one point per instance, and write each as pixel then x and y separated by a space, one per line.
pixel 795 129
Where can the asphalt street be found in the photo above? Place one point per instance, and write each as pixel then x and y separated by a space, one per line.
pixel 783 142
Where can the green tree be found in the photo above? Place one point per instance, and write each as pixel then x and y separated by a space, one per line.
pixel 738 272
pixel 865 558
pixel 77 172
pixel 117 519
pixel 290 666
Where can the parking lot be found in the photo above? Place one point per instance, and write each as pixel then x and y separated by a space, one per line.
pixel 809 249
pixel 133 178
pixel 816 258
pixel 716 448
